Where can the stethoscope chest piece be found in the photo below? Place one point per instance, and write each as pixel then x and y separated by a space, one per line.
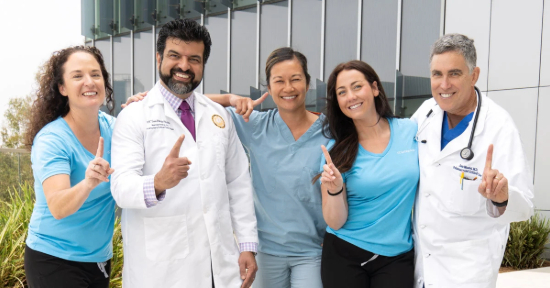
pixel 467 154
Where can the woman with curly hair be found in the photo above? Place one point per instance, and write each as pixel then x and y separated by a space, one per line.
pixel 69 242
pixel 369 182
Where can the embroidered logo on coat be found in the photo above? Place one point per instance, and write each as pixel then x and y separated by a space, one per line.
pixel 218 121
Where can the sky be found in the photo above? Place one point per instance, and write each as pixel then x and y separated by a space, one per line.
pixel 30 31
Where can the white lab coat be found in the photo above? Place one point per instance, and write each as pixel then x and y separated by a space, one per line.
pixel 459 236
pixel 189 235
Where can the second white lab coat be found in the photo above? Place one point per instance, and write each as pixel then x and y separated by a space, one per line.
pixel 190 235
pixel 459 236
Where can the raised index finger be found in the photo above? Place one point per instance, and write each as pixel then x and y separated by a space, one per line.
pixel 260 100
pixel 489 161
pixel 99 152
pixel 175 152
pixel 327 155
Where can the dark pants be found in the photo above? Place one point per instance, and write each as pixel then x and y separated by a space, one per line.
pixel 46 271
pixel 341 267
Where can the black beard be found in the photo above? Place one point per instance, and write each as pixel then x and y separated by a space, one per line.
pixel 177 87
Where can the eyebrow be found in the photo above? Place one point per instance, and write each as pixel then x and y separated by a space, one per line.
pixel 80 71
pixel 455 70
pixel 352 83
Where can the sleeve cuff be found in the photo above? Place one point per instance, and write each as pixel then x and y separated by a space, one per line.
pixel 150 197
pixel 248 246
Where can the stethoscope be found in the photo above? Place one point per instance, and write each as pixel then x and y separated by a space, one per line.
pixel 466 153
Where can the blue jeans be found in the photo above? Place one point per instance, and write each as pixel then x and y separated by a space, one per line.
pixel 288 271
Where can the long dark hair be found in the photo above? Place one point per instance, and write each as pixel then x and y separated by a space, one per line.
pixel 49 103
pixel 339 126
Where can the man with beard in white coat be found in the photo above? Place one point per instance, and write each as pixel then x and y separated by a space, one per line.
pixel 473 175
pixel 182 178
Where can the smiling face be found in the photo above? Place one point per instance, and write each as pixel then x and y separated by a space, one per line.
pixel 181 67
pixel 83 81
pixel 356 95
pixel 453 84
pixel 287 85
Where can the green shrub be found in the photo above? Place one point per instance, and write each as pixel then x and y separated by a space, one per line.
pixel 526 243
pixel 15 214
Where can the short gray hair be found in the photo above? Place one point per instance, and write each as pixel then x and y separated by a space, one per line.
pixel 456 43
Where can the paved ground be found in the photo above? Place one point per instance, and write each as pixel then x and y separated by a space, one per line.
pixel 534 278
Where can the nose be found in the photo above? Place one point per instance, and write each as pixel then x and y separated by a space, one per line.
pixel 288 87
pixel 184 63
pixel 445 83
pixel 88 81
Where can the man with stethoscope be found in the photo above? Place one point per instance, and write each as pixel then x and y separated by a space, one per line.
pixel 473 176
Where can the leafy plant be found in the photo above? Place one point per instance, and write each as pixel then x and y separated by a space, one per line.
pixel 526 243
pixel 15 214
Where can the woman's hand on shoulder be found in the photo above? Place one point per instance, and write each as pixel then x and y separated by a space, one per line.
pixel 331 178
pixel 245 105
pixel 98 169
pixel 136 98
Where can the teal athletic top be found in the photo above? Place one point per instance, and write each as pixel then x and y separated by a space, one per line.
pixel 86 235
pixel 288 206
pixel 380 191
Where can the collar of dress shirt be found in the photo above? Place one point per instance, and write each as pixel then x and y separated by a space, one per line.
pixel 175 101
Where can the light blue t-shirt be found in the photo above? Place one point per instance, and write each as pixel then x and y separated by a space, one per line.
pixel 288 205
pixel 381 190
pixel 86 235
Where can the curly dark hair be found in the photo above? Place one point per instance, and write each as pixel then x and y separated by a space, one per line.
pixel 339 126
pixel 186 30
pixel 49 103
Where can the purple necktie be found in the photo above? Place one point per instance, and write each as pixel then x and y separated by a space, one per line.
pixel 187 118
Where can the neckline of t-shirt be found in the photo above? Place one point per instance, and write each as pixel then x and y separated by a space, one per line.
pixel 388 147
pixel 76 138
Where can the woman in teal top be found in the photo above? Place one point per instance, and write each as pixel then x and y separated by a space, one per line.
pixel 369 183
pixel 283 148
pixel 71 228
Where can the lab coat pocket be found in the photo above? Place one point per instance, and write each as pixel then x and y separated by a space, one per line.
pixel 166 238
pixel 225 232
pixel 468 262
pixel 464 199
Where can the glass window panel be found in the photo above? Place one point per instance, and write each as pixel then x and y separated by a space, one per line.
pixel 420 28
pixel 191 9
pixel 118 6
pixel 273 31
pixel 379 40
pixel 106 17
pixel 243 3
pixel 143 10
pixel 168 10
pixel 104 46
pixel 214 7
pixel 122 73
pixel 341 33
pixel 243 51
pixel 87 22
pixel 97 30
pixel 215 72
pixel 143 61
pixel 306 33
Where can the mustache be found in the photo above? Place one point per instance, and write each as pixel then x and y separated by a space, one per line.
pixel 178 70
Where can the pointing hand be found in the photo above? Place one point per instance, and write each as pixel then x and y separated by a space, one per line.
pixel 173 170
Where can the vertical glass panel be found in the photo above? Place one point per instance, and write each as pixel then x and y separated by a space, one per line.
pixel 118 5
pixel 106 17
pixel 379 40
pixel 306 33
pixel 191 9
pixel 214 7
pixel 168 10
pixel 243 3
pixel 126 15
pixel 215 72
pixel 143 10
pixel 243 51
pixel 420 28
pixel 98 15
pixel 143 61
pixel 545 49
pixel 341 33
pixel 273 32
pixel 87 20
pixel 104 46
pixel 122 73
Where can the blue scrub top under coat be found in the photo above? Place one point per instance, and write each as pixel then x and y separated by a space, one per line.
pixel 381 188
pixel 448 135
pixel 288 206
pixel 86 235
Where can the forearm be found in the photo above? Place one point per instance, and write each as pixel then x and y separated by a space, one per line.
pixel 66 202
pixel 335 208
pixel 222 99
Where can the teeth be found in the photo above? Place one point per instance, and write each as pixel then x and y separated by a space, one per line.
pixel 446 95
pixel 355 106
pixel 289 97
pixel 90 93
pixel 182 75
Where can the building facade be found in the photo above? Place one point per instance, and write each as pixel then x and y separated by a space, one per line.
pixel 394 36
